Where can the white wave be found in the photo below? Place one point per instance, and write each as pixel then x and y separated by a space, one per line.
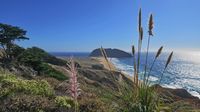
pixel 194 93
pixel 180 85
pixel 121 66
pixel 172 86
pixel 152 78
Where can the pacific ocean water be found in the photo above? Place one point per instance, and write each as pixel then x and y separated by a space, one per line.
pixel 182 72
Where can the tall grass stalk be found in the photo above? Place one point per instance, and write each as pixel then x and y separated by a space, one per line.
pixel 140 29
pixel 147 52
pixel 104 54
pixel 156 57
pixel 135 66
pixel 166 65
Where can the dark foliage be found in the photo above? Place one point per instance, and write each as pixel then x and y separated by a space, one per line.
pixel 37 59
pixel 8 35
pixel 37 54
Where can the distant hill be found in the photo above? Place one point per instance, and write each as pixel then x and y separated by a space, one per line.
pixel 112 53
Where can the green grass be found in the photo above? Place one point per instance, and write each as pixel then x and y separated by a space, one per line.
pixel 47 70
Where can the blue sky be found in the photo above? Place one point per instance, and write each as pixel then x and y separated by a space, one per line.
pixel 83 25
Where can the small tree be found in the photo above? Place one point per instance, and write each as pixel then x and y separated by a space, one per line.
pixel 8 35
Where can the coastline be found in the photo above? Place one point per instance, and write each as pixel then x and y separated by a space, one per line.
pixel 122 66
pixel 113 67
pixel 90 72
pixel 88 61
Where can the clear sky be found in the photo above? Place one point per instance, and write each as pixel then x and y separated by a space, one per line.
pixel 83 25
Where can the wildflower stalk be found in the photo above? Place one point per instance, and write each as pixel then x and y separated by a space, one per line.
pixel 74 89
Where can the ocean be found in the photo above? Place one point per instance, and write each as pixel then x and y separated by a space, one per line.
pixel 182 72
pixel 70 54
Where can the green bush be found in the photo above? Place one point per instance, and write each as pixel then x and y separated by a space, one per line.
pixel 93 104
pixel 33 56
pixel 11 85
pixel 16 50
pixel 38 59
pixel 64 101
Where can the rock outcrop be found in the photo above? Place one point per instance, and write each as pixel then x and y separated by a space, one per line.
pixel 112 53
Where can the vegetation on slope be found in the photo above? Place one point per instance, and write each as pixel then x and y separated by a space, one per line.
pixel 39 60
pixel 19 95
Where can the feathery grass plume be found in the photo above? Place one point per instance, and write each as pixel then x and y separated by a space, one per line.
pixel 166 65
pixel 169 59
pixel 140 19
pixel 133 50
pixel 74 88
pixel 151 25
pixel 147 52
pixel 135 68
pixel 156 57
pixel 141 34
pixel 159 52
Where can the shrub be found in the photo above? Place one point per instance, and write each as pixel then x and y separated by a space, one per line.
pixel 98 66
pixel 32 56
pixel 38 59
pixel 11 85
pixel 92 105
pixel 28 103
pixel 64 101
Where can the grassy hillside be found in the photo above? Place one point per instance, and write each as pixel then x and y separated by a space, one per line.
pixel 100 91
